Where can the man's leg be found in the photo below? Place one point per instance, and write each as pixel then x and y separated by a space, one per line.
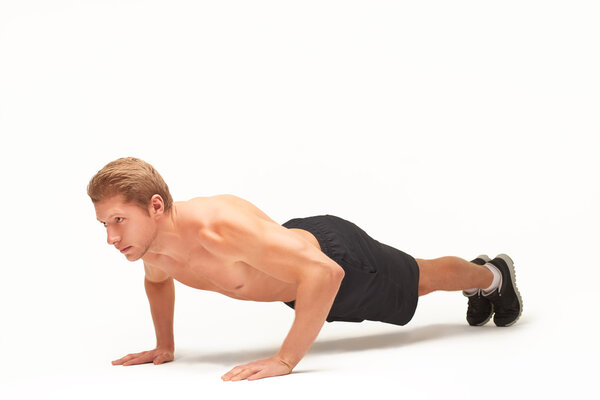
pixel 451 273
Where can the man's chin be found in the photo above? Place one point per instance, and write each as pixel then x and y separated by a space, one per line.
pixel 132 257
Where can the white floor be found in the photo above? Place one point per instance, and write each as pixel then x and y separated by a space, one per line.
pixel 436 355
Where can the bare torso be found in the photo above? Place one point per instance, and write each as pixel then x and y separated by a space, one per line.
pixel 190 263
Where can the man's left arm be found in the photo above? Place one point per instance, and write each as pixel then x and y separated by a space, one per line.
pixel 284 255
pixel 314 298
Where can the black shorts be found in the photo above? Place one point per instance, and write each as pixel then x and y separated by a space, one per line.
pixel 381 283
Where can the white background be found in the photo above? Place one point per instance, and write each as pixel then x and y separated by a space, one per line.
pixel 439 127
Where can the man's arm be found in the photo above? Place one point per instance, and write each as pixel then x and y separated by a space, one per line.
pixel 280 253
pixel 160 290
pixel 161 296
pixel 314 298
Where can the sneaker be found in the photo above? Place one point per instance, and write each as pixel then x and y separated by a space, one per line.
pixel 479 308
pixel 506 299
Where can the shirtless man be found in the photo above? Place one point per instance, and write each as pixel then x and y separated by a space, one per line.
pixel 324 267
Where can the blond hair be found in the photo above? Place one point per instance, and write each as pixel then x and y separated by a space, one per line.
pixel 134 179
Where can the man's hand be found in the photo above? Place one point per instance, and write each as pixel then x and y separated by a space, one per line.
pixel 272 366
pixel 157 356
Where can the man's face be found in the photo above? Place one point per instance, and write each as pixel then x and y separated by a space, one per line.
pixel 128 227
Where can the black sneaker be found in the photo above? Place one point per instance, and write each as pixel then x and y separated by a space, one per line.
pixel 506 299
pixel 479 309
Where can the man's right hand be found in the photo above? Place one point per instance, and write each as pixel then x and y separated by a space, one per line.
pixel 157 356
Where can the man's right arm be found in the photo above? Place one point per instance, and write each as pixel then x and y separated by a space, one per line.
pixel 161 296
pixel 160 290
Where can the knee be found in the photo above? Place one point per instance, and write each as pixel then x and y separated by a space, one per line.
pixel 426 284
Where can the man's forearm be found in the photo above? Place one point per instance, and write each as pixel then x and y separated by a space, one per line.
pixel 314 298
pixel 161 296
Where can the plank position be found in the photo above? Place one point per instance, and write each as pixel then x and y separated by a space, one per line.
pixel 325 267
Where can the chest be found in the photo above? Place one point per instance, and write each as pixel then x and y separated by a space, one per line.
pixel 204 270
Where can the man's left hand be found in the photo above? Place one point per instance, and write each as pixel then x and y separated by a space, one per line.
pixel 272 366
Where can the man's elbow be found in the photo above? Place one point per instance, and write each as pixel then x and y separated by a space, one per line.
pixel 338 272
pixel 334 273
pixel 324 274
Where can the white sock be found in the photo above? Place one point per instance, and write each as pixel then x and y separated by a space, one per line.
pixel 496 282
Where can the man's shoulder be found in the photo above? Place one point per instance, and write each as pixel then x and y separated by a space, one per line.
pixel 209 213
pixel 214 202
pixel 223 208
pixel 209 208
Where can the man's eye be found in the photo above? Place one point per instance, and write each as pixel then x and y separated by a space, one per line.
pixel 119 219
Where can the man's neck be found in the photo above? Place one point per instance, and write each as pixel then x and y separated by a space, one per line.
pixel 168 232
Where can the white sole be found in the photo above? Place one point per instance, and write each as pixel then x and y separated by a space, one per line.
pixel 511 269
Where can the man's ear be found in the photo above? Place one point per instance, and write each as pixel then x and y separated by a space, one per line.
pixel 157 205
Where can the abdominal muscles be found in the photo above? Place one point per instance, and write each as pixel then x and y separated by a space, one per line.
pixel 237 280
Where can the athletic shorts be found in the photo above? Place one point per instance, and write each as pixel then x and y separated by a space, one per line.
pixel 381 283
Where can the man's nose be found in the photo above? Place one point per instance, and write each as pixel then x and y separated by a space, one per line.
pixel 111 237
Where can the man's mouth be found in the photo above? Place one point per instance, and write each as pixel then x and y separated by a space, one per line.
pixel 125 249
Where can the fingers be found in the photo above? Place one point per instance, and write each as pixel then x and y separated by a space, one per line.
pixel 133 359
pixel 239 373
pixel 273 366
pixel 228 375
pixel 234 372
pixel 144 358
pixel 258 375
pixel 126 358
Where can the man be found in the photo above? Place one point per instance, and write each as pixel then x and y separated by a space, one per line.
pixel 325 267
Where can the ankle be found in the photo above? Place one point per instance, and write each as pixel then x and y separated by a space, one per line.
pixel 487 277
pixel 496 282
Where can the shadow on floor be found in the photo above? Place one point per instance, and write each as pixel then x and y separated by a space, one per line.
pixel 377 341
